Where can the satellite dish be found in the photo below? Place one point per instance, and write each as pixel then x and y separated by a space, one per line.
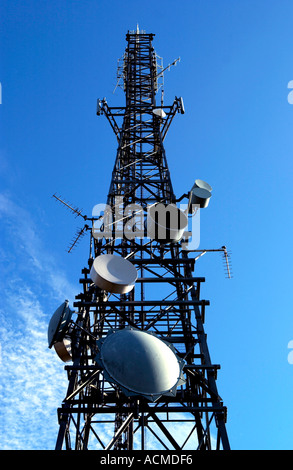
pixel 59 322
pixel 113 274
pixel 63 349
pixel 159 112
pixel 140 363
pixel 166 224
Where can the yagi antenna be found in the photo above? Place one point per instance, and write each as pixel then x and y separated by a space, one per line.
pixel 80 233
pixel 74 210
pixel 226 258
pixel 227 261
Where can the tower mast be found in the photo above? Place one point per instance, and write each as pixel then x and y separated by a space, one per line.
pixel 137 357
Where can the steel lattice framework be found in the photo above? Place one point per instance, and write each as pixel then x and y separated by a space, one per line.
pixel 95 413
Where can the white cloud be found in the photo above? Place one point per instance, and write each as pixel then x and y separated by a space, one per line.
pixel 26 243
pixel 33 381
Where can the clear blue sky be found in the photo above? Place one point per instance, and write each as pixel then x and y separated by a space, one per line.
pixel 57 58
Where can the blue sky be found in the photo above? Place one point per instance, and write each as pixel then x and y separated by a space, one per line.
pixel 56 59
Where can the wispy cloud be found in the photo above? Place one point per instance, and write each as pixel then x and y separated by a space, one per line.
pixel 21 229
pixel 33 382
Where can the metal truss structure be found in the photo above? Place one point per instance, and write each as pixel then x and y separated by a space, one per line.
pixel 95 413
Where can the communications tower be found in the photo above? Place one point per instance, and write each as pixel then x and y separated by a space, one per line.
pixel 139 370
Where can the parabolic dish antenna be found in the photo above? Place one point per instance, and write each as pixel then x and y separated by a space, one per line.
pixel 59 323
pixel 159 112
pixel 113 274
pixel 57 329
pixel 200 196
pixel 63 349
pixel 202 184
pixel 140 363
pixel 166 224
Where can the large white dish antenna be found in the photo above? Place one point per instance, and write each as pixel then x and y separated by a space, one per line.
pixel 166 224
pixel 113 274
pixel 140 363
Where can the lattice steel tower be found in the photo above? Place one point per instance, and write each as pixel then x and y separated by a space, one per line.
pixel 139 369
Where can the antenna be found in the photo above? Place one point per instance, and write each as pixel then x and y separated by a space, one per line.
pixel 80 233
pixel 74 210
pixel 139 352
pixel 227 258
pixel 168 67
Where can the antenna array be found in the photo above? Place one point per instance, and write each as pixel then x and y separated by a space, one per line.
pixel 136 351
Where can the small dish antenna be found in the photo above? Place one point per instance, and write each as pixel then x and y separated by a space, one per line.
pixel 113 274
pixel 57 330
pixel 200 194
pixel 159 112
pixel 166 224
pixel 202 184
pixel 59 322
pixel 63 349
